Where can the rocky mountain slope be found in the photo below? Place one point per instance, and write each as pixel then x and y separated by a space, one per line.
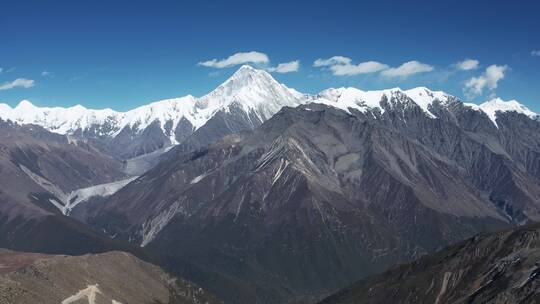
pixel 38 172
pixel 112 277
pixel 319 196
pixel 490 268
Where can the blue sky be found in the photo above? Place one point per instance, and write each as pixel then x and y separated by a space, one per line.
pixel 122 54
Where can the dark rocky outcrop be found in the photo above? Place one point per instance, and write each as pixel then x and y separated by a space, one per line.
pixel 503 267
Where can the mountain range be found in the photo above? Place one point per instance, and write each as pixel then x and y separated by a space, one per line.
pixel 245 100
pixel 277 195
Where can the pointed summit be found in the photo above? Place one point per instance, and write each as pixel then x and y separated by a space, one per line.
pixel 252 89
pixel 246 68
pixel 247 76
pixel 249 82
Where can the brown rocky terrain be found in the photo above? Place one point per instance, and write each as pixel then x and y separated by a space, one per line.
pixel 112 277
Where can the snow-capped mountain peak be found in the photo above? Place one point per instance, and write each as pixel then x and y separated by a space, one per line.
pixel 253 90
pixel 492 107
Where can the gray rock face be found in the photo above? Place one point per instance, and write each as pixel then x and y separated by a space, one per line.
pixel 130 143
pixel 37 168
pixel 112 277
pixel 316 197
pixel 497 268
pixel 232 121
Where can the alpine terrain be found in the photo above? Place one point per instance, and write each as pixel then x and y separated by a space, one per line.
pixel 343 186
pixel 244 101
pixel 263 194
pixel 269 152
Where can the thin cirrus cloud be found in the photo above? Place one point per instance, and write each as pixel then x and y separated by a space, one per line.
pixel 343 66
pixel 467 65
pixel 17 83
pixel 287 67
pixel 489 80
pixel 535 53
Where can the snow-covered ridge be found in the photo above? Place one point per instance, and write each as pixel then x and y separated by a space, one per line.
pixel 254 91
pixel 498 105
pixel 345 98
pixel 363 101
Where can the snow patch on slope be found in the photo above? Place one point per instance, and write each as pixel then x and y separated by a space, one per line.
pixel 81 195
pixel 65 202
pixel 138 165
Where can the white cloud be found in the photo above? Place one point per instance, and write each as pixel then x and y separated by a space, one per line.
pixel 47 74
pixel 331 61
pixel 236 59
pixel 17 83
pixel 287 67
pixel 362 68
pixel 467 65
pixel 488 80
pixel 535 53
pixel 343 66
pixel 407 69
